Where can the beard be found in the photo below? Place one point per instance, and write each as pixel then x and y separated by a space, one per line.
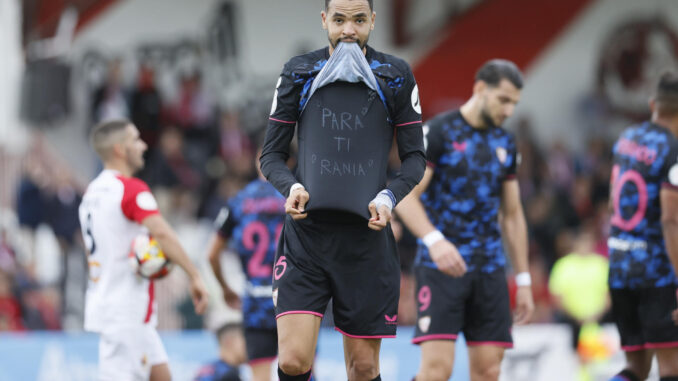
pixel 336 42
pixel 487 119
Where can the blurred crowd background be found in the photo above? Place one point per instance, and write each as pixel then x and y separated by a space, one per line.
pixel 200 96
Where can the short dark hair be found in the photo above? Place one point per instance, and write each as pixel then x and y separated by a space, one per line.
pixel 227 329
pixel 493 71
pixel 101 134
pixel 666 97
pixel 327 4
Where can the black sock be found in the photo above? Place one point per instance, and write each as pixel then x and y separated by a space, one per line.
pixel 302 377
pixel 379 378
pixel 669 378
pixel 625 375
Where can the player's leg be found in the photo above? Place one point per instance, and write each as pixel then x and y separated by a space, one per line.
pixel 667 360
pixel 660 332
pixel 301 292
pixel 485 362
pixel 625 310
pixel 261 370
pixel 437 359
pixel 362 358
pixel 297 339
pixel 160 372
pixel 155 354
pixel 262 349
pixel 365 279
pixel 441 301
pixel 488 324
pixel 637 368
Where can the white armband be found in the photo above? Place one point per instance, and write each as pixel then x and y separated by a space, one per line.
pixel 431 238
pixel 523 279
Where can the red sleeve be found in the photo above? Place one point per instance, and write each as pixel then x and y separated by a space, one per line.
pixel 137 200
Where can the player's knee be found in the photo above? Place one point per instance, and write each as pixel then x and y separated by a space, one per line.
pixel 489 372
pixel 639 365
pixel 363 368
pixel 435 371
pixel 293 365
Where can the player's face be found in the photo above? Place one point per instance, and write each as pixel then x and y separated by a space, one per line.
pixel 348 21
pixel 499 102
pixel 134 148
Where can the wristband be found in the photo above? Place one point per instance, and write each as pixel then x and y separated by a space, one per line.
pixel 523 279
pixel 432 237
pixel 296 186
pixel 386 198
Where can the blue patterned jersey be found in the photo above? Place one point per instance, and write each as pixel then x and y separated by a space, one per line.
pixel 218 371
pixel 463 198
pixel 252 221
pixel 645 160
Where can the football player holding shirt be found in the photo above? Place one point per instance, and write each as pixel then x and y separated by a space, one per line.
pixel 119 304
pixel 643 243
pixel 347 102
pixel 251 224
pixel 469 200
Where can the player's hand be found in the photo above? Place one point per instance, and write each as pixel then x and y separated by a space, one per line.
pixel 524 305
pixel 296 204
pixel 447 258
pixel 231 298
pixel 379 218
pixel 199 295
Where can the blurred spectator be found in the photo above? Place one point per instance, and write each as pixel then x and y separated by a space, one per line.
pixel 10 310
pixel 146 107
pixel 194 111
pixel 232 354
pixel 167 167
pixel 560 166
pixel 109 101
pixel 234 143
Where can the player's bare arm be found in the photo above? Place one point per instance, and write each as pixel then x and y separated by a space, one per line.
pixel 167 239
pixel 514 233
pixel 669 203
pixel 216 246
pixel 411 211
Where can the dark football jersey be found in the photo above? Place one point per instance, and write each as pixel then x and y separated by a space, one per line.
pixel 252 222
pixel 463 198
pixel 645 160
pixel 397 91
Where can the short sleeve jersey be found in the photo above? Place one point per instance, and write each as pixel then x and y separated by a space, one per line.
pixel 252 222
pixel 111 213
pixel 645 161
pixel 463 198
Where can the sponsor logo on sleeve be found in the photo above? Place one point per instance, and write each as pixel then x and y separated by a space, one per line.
pixel 673 175
pixel 424 323
pixel 416 105
pixel 274 105
pixel 501 154
pixel 146 201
